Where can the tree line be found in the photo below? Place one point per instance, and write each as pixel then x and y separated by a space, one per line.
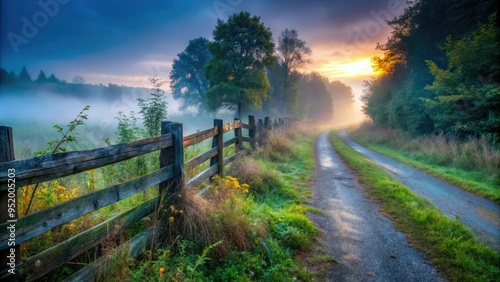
pixel 440 70
pixel 12 82
pixel 243 70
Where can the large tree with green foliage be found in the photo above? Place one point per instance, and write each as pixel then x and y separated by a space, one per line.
pixel 467 92
pixel 187 78
pixel 241 50
pixel 292 54
pixel 394 98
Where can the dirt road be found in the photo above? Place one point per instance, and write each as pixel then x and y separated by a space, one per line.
pixel 480 215
pixel 365 244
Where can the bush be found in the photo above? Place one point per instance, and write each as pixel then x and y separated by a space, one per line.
pixel 279 147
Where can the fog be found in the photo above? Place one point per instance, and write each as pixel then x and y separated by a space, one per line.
pixel 33 114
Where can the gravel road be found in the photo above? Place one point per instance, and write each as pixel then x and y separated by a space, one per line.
pixel 365 244
pixel 480 215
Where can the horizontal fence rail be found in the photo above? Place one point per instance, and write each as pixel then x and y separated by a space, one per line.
pixel 49 167
pixel 169 178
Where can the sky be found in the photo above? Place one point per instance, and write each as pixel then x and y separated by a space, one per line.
pixel 125 42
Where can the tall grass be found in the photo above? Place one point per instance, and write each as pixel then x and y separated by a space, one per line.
pixel 244 227
pixel 473 164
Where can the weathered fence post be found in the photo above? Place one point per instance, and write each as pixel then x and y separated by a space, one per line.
pixel 260 129
pixel 267 123
pixel 267 129
pixel 251 131
pixel 173 155
pixel 170 189
pixel 239 136
pixel 6 155
pixel 275 123
pixel 218 141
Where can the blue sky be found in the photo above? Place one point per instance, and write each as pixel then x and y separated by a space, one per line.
pixel 125 42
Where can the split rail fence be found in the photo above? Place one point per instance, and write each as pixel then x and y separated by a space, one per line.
pixel 169 177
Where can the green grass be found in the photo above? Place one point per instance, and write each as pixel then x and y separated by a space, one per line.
pixel 271 218
pixel 474 181
pixel 450 246
pixel 472 164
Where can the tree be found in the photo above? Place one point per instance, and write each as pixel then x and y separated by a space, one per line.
pixel 12 77
pixel 187 78
pixel 112 91
pixel 154 109
pixel 396 97
pixel 274 103
pixel 467 100
pixel 293 54
pixel 4 77
pixel 41 77
pixel 53 79
pixel 316 101
pixel 24 76
pixel 78 80
pixel 343 101
pixel 241 50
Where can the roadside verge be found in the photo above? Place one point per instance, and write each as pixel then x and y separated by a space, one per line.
pixel 451 247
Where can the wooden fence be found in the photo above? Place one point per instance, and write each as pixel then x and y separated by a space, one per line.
pixel 169 177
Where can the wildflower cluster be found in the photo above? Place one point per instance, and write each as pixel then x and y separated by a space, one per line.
pixel 230 184
pixel 49 195
pixel 174 211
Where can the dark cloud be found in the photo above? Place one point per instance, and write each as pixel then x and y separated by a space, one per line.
pixel 117 37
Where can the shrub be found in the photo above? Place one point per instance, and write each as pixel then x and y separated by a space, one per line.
pixel 280 147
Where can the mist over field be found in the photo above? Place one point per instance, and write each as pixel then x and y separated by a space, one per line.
pixel 46 107
pixel 32 115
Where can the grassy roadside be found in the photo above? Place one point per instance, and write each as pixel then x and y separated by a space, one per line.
pixel 432 156
pixel 471 181
pixel 451 247
pixel 250 226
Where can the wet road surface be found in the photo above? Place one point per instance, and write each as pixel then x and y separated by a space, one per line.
pixel 365 244
pixel 480 215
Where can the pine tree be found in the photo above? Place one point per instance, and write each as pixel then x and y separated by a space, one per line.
pixel 24 75
pixel 41 77
pixel 53 79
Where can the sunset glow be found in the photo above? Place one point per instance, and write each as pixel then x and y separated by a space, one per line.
pixel 348 69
